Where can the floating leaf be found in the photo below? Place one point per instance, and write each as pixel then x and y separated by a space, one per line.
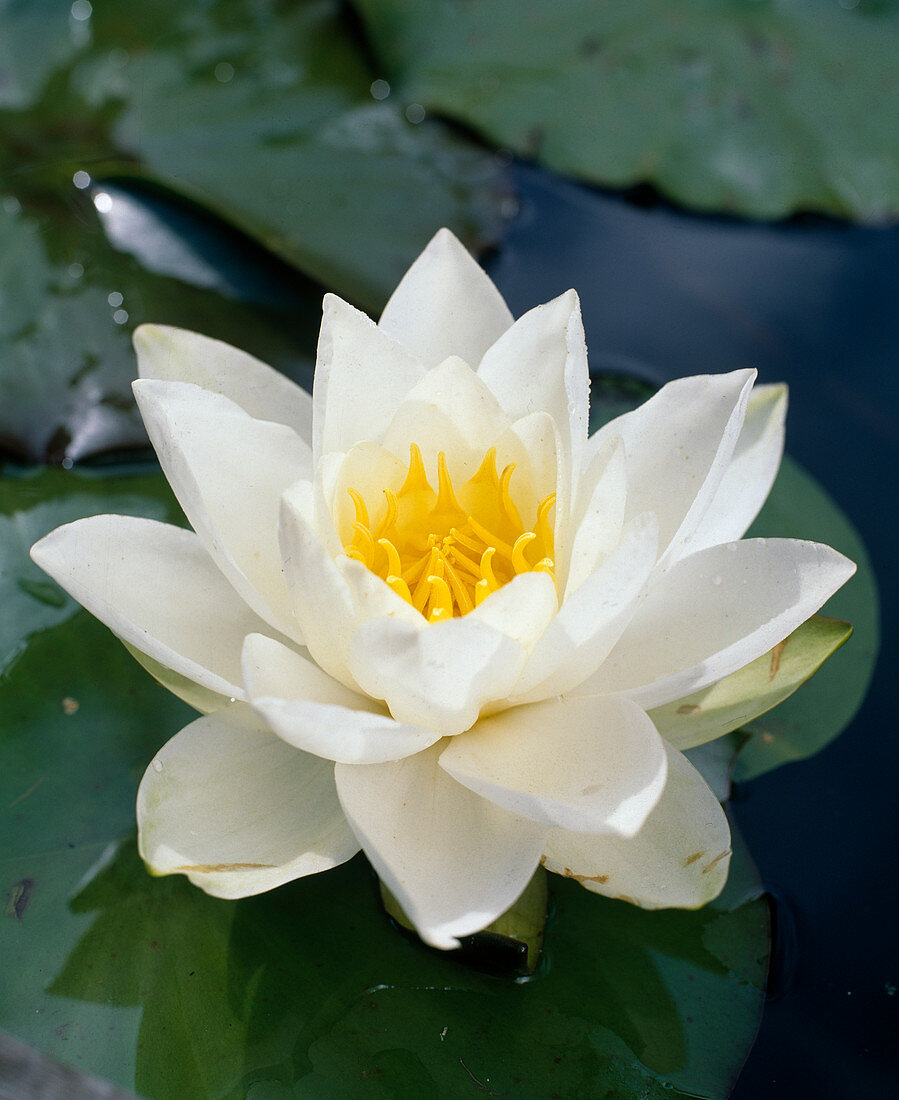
pixel 803 724
pixel 761 109
pixel 263 113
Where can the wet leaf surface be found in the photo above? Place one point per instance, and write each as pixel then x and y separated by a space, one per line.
pixel 756 109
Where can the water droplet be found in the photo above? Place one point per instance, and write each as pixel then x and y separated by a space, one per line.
pixel 103 202
pixel 81 180
pixel 81 10
pixel 120 316
pixel 716 580
pixel 114 298
pixel 11 204
pixel 224 72
pixel 76 270
pixel 380 89
pixel 67 464
pixel 415 113
pixel 157 765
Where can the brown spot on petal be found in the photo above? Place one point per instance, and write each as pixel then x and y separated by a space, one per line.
pixel 568 873
pixel 775 658
pixel 692 859
pixel 716 860
pixel 210 868
pixel 689 708
pixel 626 897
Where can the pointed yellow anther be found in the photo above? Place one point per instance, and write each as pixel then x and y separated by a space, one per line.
pixel 400 587
pixel 486 472
pixel 417 478
pixel 512 513
pixel 519 561
pixel 359 505
pixel 543 527
pixel 394 566
pixel 446 497
pixel 389 518
pixel 441 600
pixel 363 542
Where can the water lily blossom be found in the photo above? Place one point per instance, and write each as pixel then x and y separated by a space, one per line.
pixel 425 615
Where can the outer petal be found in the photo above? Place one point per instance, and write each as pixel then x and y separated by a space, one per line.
pixel 598 521
pixel 540 364
pixel 238 811
pixel 176 355
pixel 454 861
pixel 156 588
pixel 435 674
pixel 310 711
pixel 228 472
pixel 748 480
pixel 716 611
pixel 319 596
pixel 678 446
pixel 361 377
pixel 445 305
pixel 679 858
pixel 592 620
pixel 594 765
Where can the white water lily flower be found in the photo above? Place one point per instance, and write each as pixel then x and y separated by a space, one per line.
pixel 426 615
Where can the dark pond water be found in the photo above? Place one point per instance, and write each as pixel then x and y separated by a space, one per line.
pixel 813 304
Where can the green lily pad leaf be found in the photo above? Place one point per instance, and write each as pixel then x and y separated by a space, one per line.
pixel 35 502
pixel 752 690
pixel 758 109
pixel 68 305
pixel 38 36
pixel 308 990
pixel 803 724
pixel 265 115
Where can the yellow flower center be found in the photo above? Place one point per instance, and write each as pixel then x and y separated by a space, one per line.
pixel 445 551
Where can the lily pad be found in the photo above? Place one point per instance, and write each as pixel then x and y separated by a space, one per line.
pixel 822 708
pixel 760 109
pixel 263 113
pixel 308 990
pixel 68 305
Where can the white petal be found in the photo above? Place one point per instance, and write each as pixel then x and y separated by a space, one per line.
pixel 598 520
pixel 454 861
pixel 678 446
pixel 228 472
pixel 678 859
pixel 591 621
pixel 156 588
pixel 437 675
pixel 445 305
pixel 716 611
pixel 321 601
pixel 176 355
pixel 521 609
pixel 748 480
pixel 310 711
pixel 593 765
pixel 237 810
pixel 540 365
pixel 361 377
pixel 450 410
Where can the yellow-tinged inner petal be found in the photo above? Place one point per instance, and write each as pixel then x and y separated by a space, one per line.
pixel 445 550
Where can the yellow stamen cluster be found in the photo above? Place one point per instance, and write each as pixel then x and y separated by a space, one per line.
pixel 444 551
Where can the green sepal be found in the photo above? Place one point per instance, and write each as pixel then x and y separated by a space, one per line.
pixel 754 689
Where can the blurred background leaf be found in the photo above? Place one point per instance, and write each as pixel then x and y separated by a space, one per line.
pixel 754 107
